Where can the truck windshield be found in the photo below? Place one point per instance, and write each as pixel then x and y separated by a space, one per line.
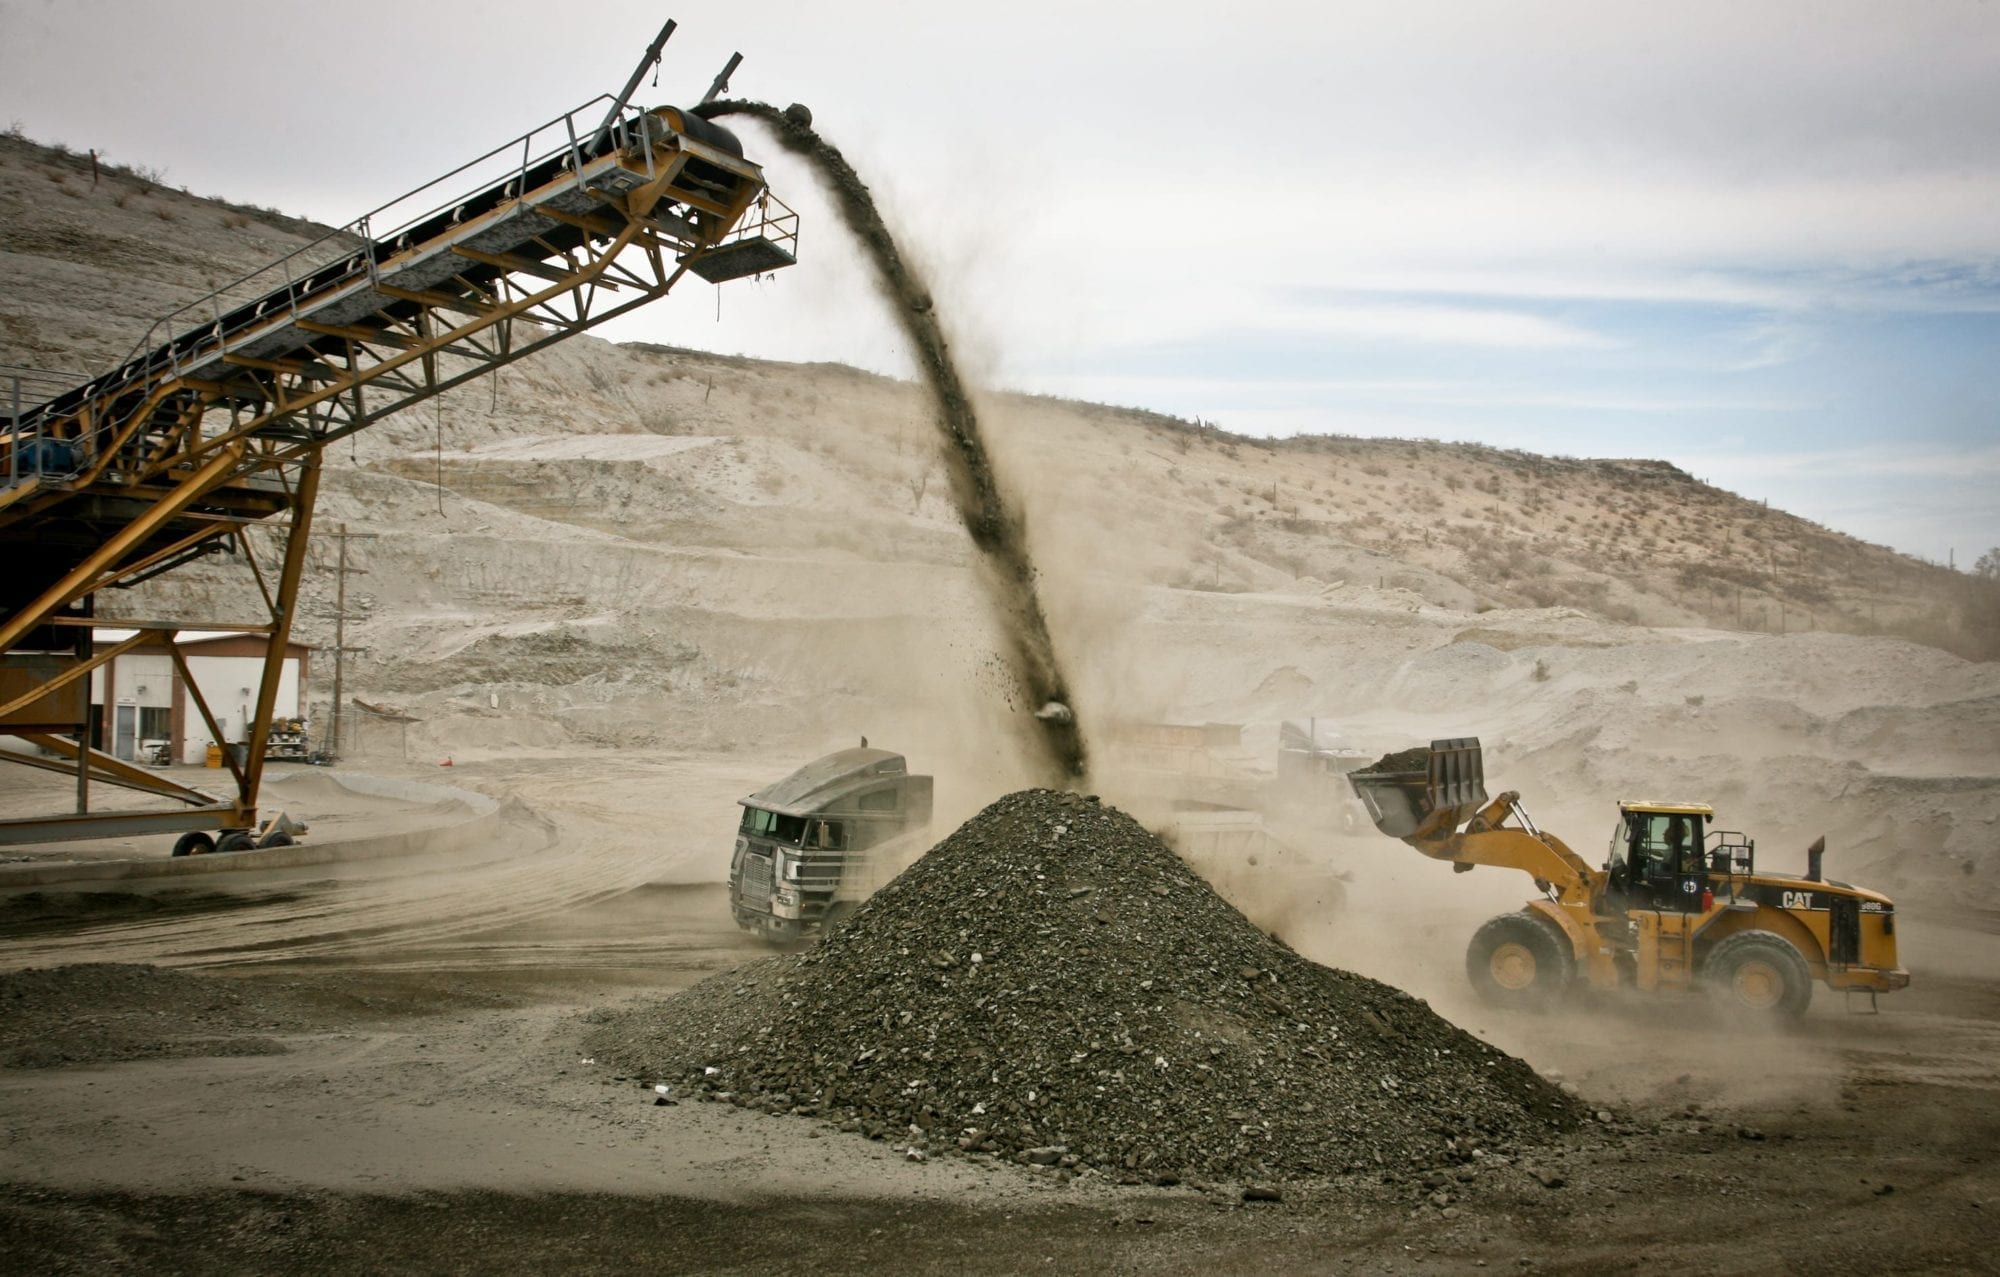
pixel 769 824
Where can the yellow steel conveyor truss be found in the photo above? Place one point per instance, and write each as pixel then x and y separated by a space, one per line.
pixel 218 421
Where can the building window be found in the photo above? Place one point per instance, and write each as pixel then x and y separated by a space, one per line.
pixel 154 723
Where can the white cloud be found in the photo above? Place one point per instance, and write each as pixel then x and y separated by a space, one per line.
pixel 1431 325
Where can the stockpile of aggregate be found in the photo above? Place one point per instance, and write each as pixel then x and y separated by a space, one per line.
pixel 1052 985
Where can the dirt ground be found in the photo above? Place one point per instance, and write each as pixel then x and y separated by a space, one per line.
pixel 397 1083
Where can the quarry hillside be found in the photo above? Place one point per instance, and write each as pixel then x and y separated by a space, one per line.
pixel 627 547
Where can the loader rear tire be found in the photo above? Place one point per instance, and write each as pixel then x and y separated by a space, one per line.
pixel 1756 974
pixel 1520 961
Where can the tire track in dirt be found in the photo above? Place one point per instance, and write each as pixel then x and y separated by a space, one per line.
pixel 391 908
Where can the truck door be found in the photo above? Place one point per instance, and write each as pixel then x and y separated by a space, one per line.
pixel 1843 940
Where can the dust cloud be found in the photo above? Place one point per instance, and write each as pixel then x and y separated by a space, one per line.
pixel 991 520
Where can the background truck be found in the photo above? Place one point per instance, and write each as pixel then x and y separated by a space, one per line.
pixel 814 845
pixel 1677 905
pixel 1202 790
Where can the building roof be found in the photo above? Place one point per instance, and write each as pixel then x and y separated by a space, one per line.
pixel 819 782
pixel 185 638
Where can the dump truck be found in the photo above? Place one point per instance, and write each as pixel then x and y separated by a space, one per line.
pixel 1197 787
pixel 1678 906
pixel 813 846
pixel 1314 759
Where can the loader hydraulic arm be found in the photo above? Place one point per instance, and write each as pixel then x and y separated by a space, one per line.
pixel 1488 840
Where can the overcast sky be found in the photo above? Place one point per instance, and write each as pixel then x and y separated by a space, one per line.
pixel 1761 240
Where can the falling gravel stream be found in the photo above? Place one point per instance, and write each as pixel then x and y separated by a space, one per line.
pixel 994 526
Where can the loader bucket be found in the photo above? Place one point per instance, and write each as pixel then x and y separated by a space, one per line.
pixel 1425 792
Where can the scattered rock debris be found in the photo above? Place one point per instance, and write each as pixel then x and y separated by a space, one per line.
pixel 1121 1032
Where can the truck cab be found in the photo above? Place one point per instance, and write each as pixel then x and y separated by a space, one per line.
pixel 815 844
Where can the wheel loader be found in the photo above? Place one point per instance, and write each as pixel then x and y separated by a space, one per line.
pixel 1677 907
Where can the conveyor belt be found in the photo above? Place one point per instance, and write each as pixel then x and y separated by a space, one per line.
pixel 218 419
pixel 537 220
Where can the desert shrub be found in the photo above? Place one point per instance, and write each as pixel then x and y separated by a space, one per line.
pixel 1543 593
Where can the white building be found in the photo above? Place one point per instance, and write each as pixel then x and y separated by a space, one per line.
pixel 139 696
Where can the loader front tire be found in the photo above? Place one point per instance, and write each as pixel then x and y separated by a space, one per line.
pixel 1758 974
pixel 1521 962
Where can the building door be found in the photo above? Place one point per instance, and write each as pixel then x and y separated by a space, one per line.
pixel 125 732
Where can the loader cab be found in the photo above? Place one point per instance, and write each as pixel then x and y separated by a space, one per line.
pixel 1657 858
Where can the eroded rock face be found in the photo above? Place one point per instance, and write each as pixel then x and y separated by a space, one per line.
pixel 1052 985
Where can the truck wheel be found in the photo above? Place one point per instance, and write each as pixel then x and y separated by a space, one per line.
pixel 236 840
pixel 1758 973
pixel 1520 961
pixel 276 838
pixel 193 843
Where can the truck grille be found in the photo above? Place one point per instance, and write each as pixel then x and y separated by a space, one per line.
pixel 755 882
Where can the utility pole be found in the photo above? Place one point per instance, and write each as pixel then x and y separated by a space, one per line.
pixel 340 648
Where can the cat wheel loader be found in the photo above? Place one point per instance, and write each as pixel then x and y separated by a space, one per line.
pixel 1677 907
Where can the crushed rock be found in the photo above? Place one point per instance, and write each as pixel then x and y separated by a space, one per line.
pixel 1052 986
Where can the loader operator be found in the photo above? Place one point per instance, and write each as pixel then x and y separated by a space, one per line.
pixel 1677 837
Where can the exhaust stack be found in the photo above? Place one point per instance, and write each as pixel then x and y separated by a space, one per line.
pixel 1814 855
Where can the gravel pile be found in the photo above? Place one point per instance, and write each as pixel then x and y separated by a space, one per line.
pixel 1414 759
pixel 102 1012
pixel 1052 985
